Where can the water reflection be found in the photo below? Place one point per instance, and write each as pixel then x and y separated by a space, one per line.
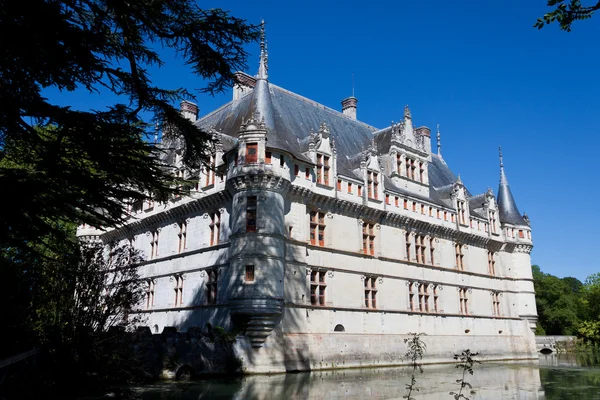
pixel 571 376
pixel 563 377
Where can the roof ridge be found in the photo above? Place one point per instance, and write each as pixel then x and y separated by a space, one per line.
pixel 324 107
pixel 312 102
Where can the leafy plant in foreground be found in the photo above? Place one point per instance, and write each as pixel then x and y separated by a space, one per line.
pixel 415 352
pixel 467 360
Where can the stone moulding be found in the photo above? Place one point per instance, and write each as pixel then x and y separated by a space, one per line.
pixel 258 317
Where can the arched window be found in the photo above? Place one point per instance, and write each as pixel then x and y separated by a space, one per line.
pixel 339 328
pixel 155 328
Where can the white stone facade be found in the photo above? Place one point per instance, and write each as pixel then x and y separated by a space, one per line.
pixel 327 267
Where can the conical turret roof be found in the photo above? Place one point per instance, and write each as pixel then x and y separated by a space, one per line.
pixel 508 210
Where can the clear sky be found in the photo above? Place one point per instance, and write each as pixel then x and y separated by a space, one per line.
pixel 477 68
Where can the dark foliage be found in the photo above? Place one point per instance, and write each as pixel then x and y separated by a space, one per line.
pixel 89 162
pixel 566 12
pixel 77 297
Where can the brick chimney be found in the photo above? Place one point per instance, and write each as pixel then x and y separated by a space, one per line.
pixel 189 110
pixel 349 107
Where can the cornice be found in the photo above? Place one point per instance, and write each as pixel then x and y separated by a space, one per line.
pixel 174 213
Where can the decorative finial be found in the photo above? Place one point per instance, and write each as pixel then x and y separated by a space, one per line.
pixel 458 180
pixel 407 112
pixel 503 180
pixel 263 67
pixel 439 141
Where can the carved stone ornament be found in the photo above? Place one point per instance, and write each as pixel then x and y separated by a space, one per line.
pixel 380 280
pixel 308 271
pixel 330 273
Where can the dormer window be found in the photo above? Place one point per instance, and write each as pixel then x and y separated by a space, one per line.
pixel 373 185
pixel 251 153
pixel 493 220
pixel 323 169
pixel 462 212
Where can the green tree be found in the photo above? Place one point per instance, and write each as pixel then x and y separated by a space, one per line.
pixel 559 303
pixel 566 12
pixel 89 162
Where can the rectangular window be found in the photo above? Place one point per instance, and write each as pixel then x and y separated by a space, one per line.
pixel 268 157
pixel 307 172
pixel 445 215
pixel 317 228
pixel 409 170
pixel 396 201
pixel 438 214
pixel 339 185
pixel 460 257
pixel 215 227
pixel 493 221
pixel 407 240
pixel 424 297
pixel 296 170
pixel 182 237
pixel 251 210
pixel 370 292
pixel 496 304
pixel 349 188
pixel 178 290
pixel 281 160
pixel 521 234
pixel 150 285
pixel 317 288
pixel 359 190
pixel 430 211
pixel 411 297
pixel 251 153
pixel 326 170
pixel 399 164
pixel 431 251
pixel 211 286
pixel 464 301
pixel 421 173
pixel 387 199
pixel 210 172
pixel 452 217
pixel 405 204
pixel 154 245
pixel 435 300
pixel 373 185
pixel 491 263
pixel 423 209
pixel 249 273
pixel 414 206
pixel 420 248
pixel 369 238
pixel 461 212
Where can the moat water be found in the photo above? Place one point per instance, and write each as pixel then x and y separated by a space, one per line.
pixel 563 376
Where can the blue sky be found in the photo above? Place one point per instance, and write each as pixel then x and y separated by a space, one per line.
pixel 477 68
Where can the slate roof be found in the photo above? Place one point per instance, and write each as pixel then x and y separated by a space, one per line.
pixel 289 119
pixel 507 207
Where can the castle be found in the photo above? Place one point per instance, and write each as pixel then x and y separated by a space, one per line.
pixel 327 240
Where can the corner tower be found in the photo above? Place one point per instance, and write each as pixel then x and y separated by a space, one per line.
pixel 517 234
pixel 256 264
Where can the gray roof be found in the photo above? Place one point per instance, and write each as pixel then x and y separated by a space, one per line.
pixel 289 119
pixel 509 213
